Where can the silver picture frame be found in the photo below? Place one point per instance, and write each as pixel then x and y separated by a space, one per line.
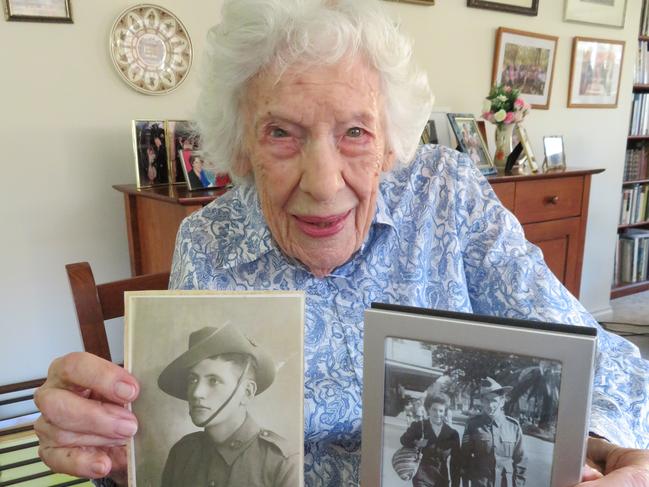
pixel 38 10
pixel 429 335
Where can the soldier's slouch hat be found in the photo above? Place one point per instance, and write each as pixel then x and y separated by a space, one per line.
pixel 210 342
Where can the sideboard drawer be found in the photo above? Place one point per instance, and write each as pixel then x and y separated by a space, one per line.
pixel 548 199
pixel 506 193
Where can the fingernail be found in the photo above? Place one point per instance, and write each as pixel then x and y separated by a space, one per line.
pixel 125 391
pixel 99 469
pixel 125 428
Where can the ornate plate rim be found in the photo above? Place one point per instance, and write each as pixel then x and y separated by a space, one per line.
pixel 118 19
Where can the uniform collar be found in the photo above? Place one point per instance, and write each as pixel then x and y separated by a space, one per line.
pixel 238 441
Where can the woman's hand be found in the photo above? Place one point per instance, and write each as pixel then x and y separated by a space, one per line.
pixel 609 465
pixel 84 426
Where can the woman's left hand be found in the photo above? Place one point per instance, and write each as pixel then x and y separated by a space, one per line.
pixel 609 465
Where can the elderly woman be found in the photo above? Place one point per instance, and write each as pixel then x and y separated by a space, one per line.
pixel 317 109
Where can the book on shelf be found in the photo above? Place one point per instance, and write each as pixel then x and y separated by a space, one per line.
pixel 632 256
pixel 635 163
pixel 635 204
pixel 641 75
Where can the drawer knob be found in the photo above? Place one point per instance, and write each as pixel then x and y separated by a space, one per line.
pixel 553 200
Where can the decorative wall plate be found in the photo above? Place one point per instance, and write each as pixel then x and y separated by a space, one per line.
pixel 151 49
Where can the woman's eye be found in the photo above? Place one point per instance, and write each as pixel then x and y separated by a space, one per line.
pixel 355 132
pixel 213 382
pixel 278 132
pixel 192 381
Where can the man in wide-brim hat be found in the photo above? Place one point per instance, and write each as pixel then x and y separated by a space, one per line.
pixel 492 443
pixel 219 374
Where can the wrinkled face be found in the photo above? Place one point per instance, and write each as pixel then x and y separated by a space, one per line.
pixel 492 404
pixel 436 413
pixel 316 145
pixel 209 385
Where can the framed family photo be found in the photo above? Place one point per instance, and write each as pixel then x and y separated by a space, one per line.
pixel 600 12
pixel 525 61
pixel 219 372
pixel 150 150
pixel 38 10
pixel 180 136
pixel 524 7
pixel 471 141
pixel 435 382
pixel 595 72
pixel 200 173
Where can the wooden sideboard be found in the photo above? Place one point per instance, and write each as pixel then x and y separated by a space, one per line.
pixel 153 216
pixel 552 207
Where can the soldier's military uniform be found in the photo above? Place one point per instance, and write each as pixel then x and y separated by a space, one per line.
pixel 492 452
pixel 251 457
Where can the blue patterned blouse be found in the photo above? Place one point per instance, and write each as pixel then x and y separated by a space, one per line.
pixel 439 238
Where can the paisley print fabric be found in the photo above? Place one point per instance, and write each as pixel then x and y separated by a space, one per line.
pixel 441 239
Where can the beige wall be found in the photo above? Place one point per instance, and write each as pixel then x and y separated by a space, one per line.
pixel 65 134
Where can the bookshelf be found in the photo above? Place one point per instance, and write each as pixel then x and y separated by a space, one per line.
pixel 631 274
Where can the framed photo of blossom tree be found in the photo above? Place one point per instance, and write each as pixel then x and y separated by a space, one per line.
pixel 525 61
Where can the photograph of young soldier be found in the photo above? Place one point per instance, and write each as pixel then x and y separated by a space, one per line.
pixel 438 444
pixel 503 406
pixel 493 451
pixel 219 375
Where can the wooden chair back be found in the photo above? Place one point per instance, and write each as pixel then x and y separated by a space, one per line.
pixel 96 303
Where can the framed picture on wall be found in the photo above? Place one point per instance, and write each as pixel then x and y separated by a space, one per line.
pixel 525 61
pixel 525 7
pixel 471 141
pixel 434 382
pixel 601 12
pixel 595 72
pixel 38 10
pixel 150 149
pixel 418 2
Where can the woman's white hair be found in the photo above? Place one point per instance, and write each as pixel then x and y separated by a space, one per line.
pixel 258 34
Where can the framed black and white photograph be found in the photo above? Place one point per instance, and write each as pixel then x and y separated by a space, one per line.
pixel 460 399
pixel 150 150
pixel 471 141
pixel 555 155
pixel 595 71
pixel 525 61
pixel 524 7
pixel 222 387
pixel 600 12
pixel 429 134
pixel 38 10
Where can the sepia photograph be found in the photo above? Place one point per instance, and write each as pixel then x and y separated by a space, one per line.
pixel 460 399
pixel 221 377
pixel 150 149
pixel 525 61
pixel 595 73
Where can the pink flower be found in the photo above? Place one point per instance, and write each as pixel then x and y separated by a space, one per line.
pixel 507 89
pixel 519 103
pixel 509 118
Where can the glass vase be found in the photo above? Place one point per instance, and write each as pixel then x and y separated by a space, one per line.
pixel 504 134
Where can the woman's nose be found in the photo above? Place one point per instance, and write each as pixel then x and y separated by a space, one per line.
pixel 322 170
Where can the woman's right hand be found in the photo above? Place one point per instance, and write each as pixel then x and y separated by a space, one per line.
pixel 84 426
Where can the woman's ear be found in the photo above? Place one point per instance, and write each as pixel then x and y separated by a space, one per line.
pixel 389 158
pixel 242 165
